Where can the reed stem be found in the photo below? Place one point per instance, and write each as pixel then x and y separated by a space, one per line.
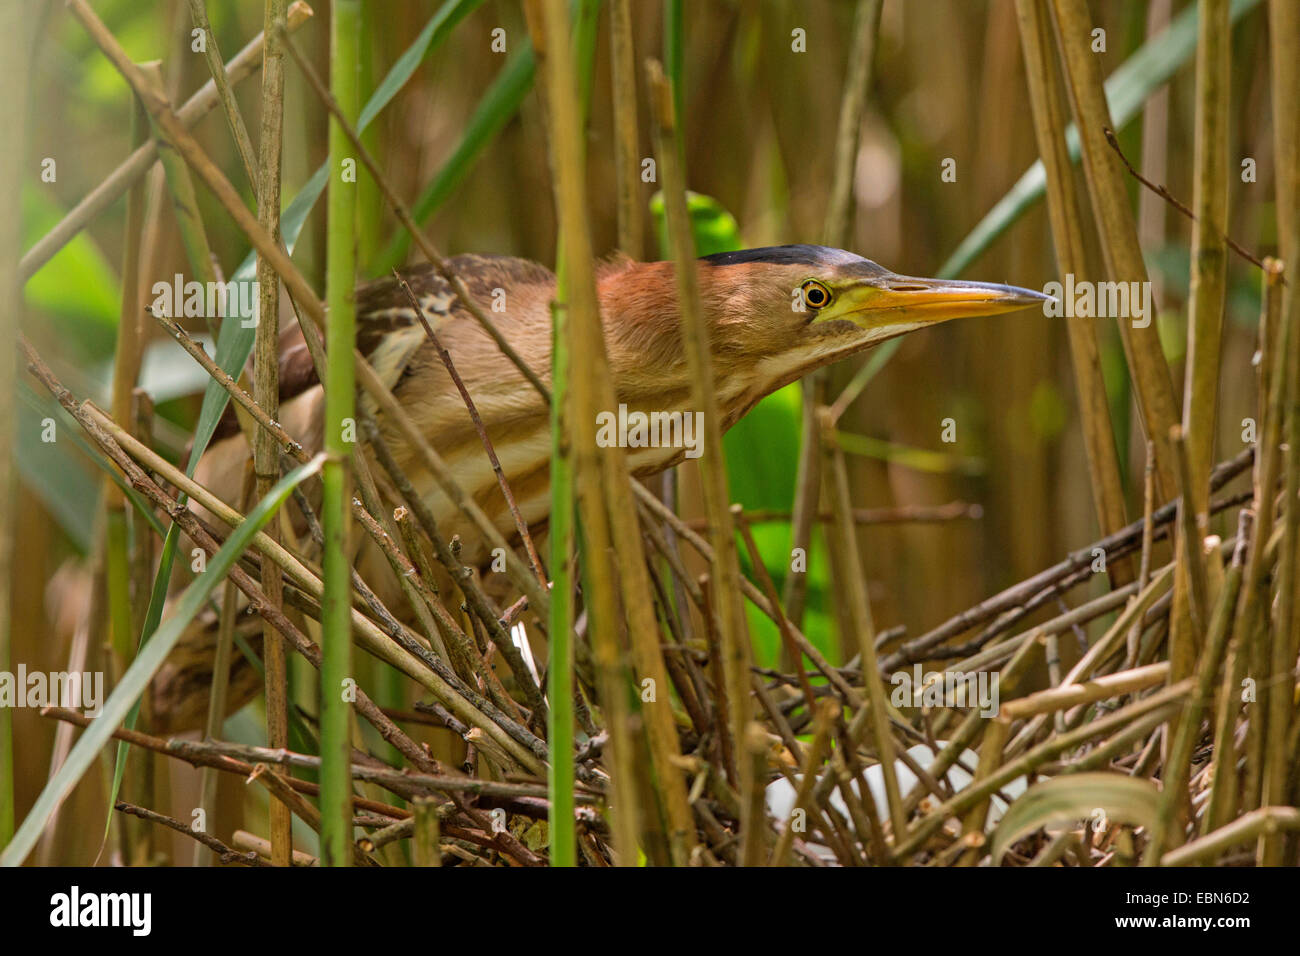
pixel 340 278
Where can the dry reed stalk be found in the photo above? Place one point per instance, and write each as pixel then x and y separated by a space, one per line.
pixel 1116 228
pixel 1208 290
pixel 729 607
pixel 1284 33
pixel 854 588
pixel 271 74
pixel 1173 794
pixel 627 155
pixel 266 363
pixel 14 53
pixel 604 497
pixel 1049 114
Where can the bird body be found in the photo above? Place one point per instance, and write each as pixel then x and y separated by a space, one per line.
pixel 760 340
pixel 773 314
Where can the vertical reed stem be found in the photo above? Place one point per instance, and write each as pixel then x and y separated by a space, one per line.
pixel 336 635
pixel 835 232
pixel 866 23
pixel 559 729
pixel 730 611
pixel 199 13
pixel 1167 832
pixel 1071 257
pixel 576 296
pixel 14 61
pixel 1116 228
pixel 627 159
pixel 1208 285
pixel 853 588
pixel 1284 29
pixel 1284 34
pixel 266 392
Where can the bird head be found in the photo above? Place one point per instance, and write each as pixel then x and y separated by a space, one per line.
pixel 776 313
pixel 811 305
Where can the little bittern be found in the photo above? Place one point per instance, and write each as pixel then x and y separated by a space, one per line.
pixel 773 315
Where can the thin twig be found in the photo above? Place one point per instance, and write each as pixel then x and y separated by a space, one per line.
pixel 520 524
pixel 224 853
pixel 1178 204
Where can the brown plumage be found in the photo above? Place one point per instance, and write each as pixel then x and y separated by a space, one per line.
pixel 773 315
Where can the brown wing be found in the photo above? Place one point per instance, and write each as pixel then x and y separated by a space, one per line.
pixel 384 309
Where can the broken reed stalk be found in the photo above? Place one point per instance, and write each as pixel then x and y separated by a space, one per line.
pixel 1065 217
pixel 732 630
pixel 1164 700
pixel 976 818
pixel 1263 824
pixel 1116 228
pixel 1024 591
pixel 340 412
pixel 1103 648
pixel 203 840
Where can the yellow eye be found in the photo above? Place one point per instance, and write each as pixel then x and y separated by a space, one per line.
pixel 815 295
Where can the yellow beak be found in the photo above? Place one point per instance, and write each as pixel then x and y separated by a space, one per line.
pixel 905 300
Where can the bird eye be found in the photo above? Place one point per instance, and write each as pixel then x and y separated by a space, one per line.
pixel 815 295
